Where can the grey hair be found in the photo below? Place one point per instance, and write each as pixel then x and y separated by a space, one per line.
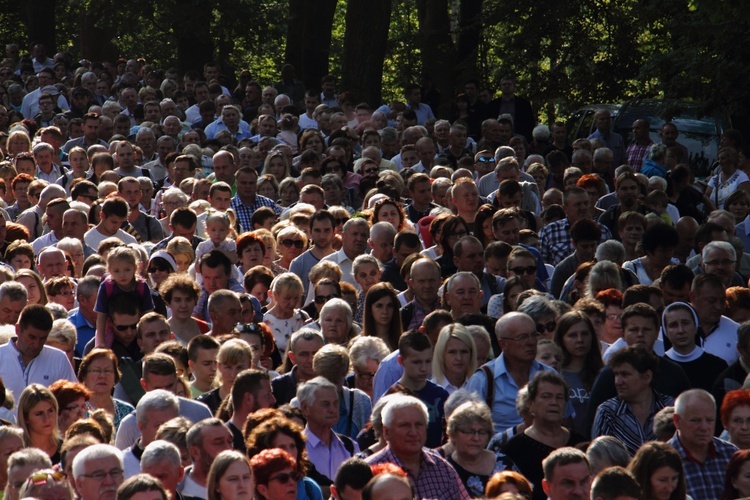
pixel 540 132
pixel 94 453
pixel 52 191
pixel 29 456
pixel 159 451
pixel 683 400
pixel 578 153
pixel 503 152
pixel 657 152
pixel 718 245
pixel 366 348
pixel 69 244
pixel 538 306
pixel 611 250
pixel 388 134
pixel 306 392
pixel 603 275
pixel 7 431
pixel 356 221
pixel 305 334
pixel 399 402
pixel 336 305
pixel 607 451
pixel 58 311
pixel 599 153
pixel 363 259
pixel 382 229
pixel 463 274
pixel 14 290
pixel 376 416
pixel 158 400
pixel 42 146
pixel 459 397
pixel 63 331
pixel 176 194
pixel 88 286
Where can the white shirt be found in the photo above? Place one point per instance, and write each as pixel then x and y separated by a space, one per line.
pixel 47 240
pixel 93 237
pixel 345 263
pixel 722 342
pixel 306 122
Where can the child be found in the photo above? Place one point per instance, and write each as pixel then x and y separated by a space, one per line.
pixel 284 317
pixel 234 356
pixel 366 272
pixel 288 134
pixel 202 351
pixel 121 279
pixel 415 357
pixel 79 164
pixel 656 201
pixel 218 226
pixel 549 353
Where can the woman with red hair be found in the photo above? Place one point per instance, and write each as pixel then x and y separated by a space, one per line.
pixel 611 299
pixel 735 417
pixel 737 479
pixel 275 474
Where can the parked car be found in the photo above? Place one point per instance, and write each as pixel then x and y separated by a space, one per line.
pixel 581 123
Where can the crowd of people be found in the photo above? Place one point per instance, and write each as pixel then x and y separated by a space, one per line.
pixel 276 292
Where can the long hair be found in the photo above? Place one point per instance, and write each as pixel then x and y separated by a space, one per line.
pixel 652 456
pixel 593 362
pixel 458 332
pixel 733 469
pixel 219 467
pixel 374 294
pixel 30 397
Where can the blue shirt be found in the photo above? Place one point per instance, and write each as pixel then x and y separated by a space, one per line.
pixel 388 374
pixel 613 142
pixel 85 330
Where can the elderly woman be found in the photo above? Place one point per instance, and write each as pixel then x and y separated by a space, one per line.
pixel 629 416
pixel 655 162
pixel 735 417
pixel 291 243
pixel 74 248
pixel 544 314
pixel 275 473
pixel 99 372
pixel 230 477
pixel 469 429
pixel 37 417
pixel 71 400
pixel 337 322
pixel 63 336
pixel 172 199
pixel 659 242
pixel 455 357
pixel 61 290
pixel 366 354
pixel 603 275
pixel 268 186
pixel 548 395
pixel 182 252
pixel 20 255
pixel 47 483
pixel 728 178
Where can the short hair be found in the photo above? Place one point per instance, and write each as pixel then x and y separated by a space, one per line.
pixel 198 342
pixel 718 245
pixel 158 364
pixel 248 381
pixel 36 316
pixel 115 206
pixel 613 483
pixel 585 230
pixel 353 472
pixel 305 334
pixel 413 340
pixel 157 400
pixel 607 451
pixel 217 258
pixel 676 276
pixel 138 484
pixel 562 456
pixel 363 349
pixel 219 300
pixel 14 291
pixel 234 351
pixel 642 310
pixel 306 391
pixel 637 357
pixel 706 280
pixel 159 451
pixel 94 453
pixel 401 401
pixel 639 294
pixel 498 480
pixel 664 427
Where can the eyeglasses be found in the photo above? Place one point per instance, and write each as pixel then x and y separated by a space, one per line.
pixel 64 294
pixel 284 477
pixel 486 160
pixel 100 475
pixel 523 270
pixel 333 170
pixel 98 372
pixel 475 432
pixel 549 326
pixel 614 317
pixel 322 299
pixel 124 328
pixel 156 269
pixel 364 375
pixel 739 422
pixel 523 338
pixel 296 243
pixel 368 171
pixel 725 262
pixel 248 328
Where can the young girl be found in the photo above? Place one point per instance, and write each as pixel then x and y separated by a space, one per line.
pixel 121 278
pixel 288 125
pixel 366 272
pixel 284 317
pixel 218 227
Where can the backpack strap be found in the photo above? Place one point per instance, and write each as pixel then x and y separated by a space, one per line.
pixel 490 385
pixel 351 414
pixel 348 443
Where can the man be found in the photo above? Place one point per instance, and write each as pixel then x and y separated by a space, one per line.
pixel 675 282
pixel 153 409
pixel 129 104
pixel 421 197
pixel 426 152
pixel 83 317
pixel 113 213
pixel 91 124
pixel 506 227
pixel 567 475
pixel 720 258
pixel 585 235
pixel 498 381
pixel 641 144
pixel 247 201
pixel 517 107
pixel 303 345
pixel 717 334
pixel 47 112
pixel 98 472
pixel 201 94
pixel 322 226
pixel 251 392
pixel 668 135
pixel 225 311
pixel 456 148
pixel 465 197
pixel 326 449
pixel 216 270
pixel 354 241
pixel 13 299
pixel 463 294
pixel 424 281
pixel 381 239
pixel 29 106
pixel 405 243
pixel 158 167
pixel 125 160
pixel 146 140
pixel 388 486
pixel 554 239
pixel 229 119
pixel 25 359
pixel 54 217
pixel 205 440
pixel 225 168
pixel 612 140
pixel 161 459
pixel 405 431
pixel 508 168
pixel 31 218
pixel 22 463
pixel 468 255
pixel 413 95
pixel 75 225
pixel 146 226
pixel 615 483
pixel 182 222
pixel 352 476
pixel 627 191
pixel 704 457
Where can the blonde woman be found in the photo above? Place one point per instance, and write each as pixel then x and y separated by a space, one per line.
pixel 37 417
pixel 455 357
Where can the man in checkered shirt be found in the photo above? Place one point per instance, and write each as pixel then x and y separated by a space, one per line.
pixel 246 201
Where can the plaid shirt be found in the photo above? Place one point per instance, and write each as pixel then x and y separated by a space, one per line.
pixel 636 153
pixel 245 212
pixel 556 244
pixel 437 479
pixel 705 480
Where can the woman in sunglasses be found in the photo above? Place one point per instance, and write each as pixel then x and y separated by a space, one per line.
pixel 544 314
pixel 291 243
pixel 276 476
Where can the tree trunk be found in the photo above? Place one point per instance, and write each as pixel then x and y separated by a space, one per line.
pixel 365 45
pixel 437 49
pixel 308 40
pixel 469 36
pixel 40 21
pixel 192 31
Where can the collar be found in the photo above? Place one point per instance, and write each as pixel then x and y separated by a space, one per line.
pixel 137 450
pixel 684 358
pixel 688 456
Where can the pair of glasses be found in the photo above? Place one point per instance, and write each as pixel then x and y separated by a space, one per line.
pixel 285 477
pixel 248 328
pixel 296 243
pixel 523 270
pixel 100 475
pixel 486 160
pixel 365 375
pixel 475 432
pixel 64 294
pixel 549 327
pixel 523 338
pixel 156 269
pixel 371 171
pixel 125 328
pixel 322 299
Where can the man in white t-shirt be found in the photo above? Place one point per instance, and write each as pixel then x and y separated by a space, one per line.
pixel 113 213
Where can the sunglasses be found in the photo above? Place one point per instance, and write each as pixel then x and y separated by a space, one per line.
pixel 45 477
pixel 369 171
pixel 296 243
pixel 125 328
pixel 248 328
pixel 549 326
pixel 523 270
pixel 156 269
pixel 486 160
pixel 285 477
pixel 322 299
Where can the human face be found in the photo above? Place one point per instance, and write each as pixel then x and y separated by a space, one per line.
pixel 79 162
pixel 577 340
pixel 523 267
pixel 640 331
pixel 322 233
pixel 246 186
pixel 225 319
pixel 64 297
pixel 125 327
pixel 182 304
pixel 32 288
pixel 663 482
pixel 276 167
pixel 709 302
pixel 465 296
pixel 110 225
pixel 739 209
pixel 721 263
pixel 122 272
pixel 278 489
pixel 131 191
pixel 407 433
pixel 354 240
pixel 286 302
pixel 52 264
pixel 629 383
pixel 30 341
pixel 220 200
pixel 569 482
pixel 549 405
pixel 631 234
pixel 153 334
pixel 163 470
pixel 100 377
pixel 324 410
pixel 738 426
pixel 742 481
pixel 425 282
pixel 204 367
pixel 456 359
pixel 335 327
pixel 519 339
pixel 696 426
pixel 508 232
pixel 472 258
pixel 154 420
pixel 215 278
pixel 549 354
pixel 388 213
pixel 217 231
pixel 466 199
pixel 229 372
pixel 366 276
pixel 286 443
pixel 669 135
pixel 10 310
pixel 302 356
pixel 42 419
pixel 578 207
pixel 236 483
pixel 382 311
pixel 681 330
pixel 90 488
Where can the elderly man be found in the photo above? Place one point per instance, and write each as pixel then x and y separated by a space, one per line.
pixel 463 294
pixel 154 409
pixel 468 255
pixel 717 333
pixel 704 457
pixel 161 459
pixel 567 475
pixel 612 140
pixel 25 359
pixel 405 430
pixel 247 201
pixel 381 241
pixel 354 241
pixel 51 262
pixel 508 168
pixel 251 392
pixel 31 218
pixel 720 258
pixel 499 381
pixel 98 472
pixel 303 345
pixel 83 317
pixel 21 464
pixel 225 311
pixel 326 449
pixel 13 298
pixel 205 440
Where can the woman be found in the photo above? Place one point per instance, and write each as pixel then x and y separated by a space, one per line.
pixel 160 266
pixel 659 242
pixel 268 186
pixel 182 252
pixel 20 255
pixel 483 223
pixel 312 139
pixel 71 400
pixel 381 315
pixel 288 192
pixel 388 210
pixel 33 284
pixel 469 429
pixel 544 314
pixel 250 250
pixel 18 142
pixel 540 174
pixel 735 417
pixel 738 304
pixel 291 243
pixel 47 484
pixel 737 479
pixel 658 469
pixel 548 395
pixel 630 229
pixel 581 361
pixel 508 482
pixel 230 477
pixel 738 204
pixel 275 475
pixel 507 301
pixel 611 299
pixel 629 416
pixel 453 229
pixel 61 290
pixel 454 359
pixel 276 165
pixel 366 354
pixel 37 417
pixel 74 249
pixel 337 322
pixel 181 292
pixel 728 178
pixel 99 372
pixel 63 336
